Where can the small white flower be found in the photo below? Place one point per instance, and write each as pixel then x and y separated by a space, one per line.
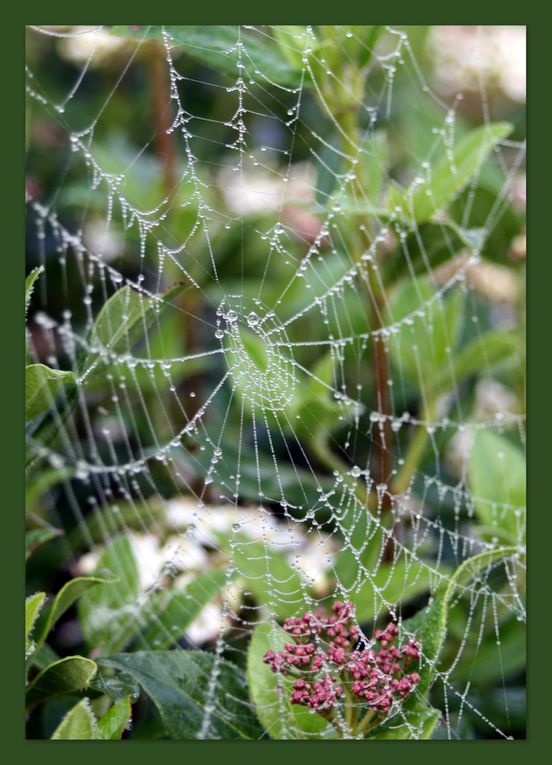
pixel 90 43
pixel 469 57
pixel 492 398
pixel 102 240
pixel 206 626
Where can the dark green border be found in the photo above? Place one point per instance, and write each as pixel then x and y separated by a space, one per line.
pixel 11 304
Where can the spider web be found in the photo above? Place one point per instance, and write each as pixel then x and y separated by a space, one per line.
pixel 259 429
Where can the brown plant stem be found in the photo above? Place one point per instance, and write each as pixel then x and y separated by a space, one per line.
pixel 167 152
pixel 164 140
pixel 382 402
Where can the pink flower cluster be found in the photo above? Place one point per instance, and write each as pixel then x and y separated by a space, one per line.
pixel 326 657
pixel 321 694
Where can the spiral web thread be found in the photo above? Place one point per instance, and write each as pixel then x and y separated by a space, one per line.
pixel 157 441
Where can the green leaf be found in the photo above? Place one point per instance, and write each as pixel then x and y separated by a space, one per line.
pixel 313 416
pixel 296 482
pixel 374 163
pixel 491 664
pixel 69 593
pixel 322 376
pixel 430 624
pixel 428 331
pixel 395 583
pixel 270 691
pixel 250 360
pixel 111 521
pixel 371 35
pixel 42 481
pixel 38 537
pixel 117 686
pixel 65 676
pixel 364 540
pixel 29 285
pixel 313 411
pixel 33 604
pixel 164 341
pixel 123 320
pixel 78 723
pixel 110 614
pixel 42 385
pixel 255 349
pixel 339 45
pixel 291 41
pixel 270 577
pixel 352 206
pixel 417 723
pixel 347 49
pixel 449 176
pixel 485 352
pixel 115 720
pixel 43 657
pixel 432 244
pixel 173 611
pixel 178 684
pixel 214 45
pixel 497 477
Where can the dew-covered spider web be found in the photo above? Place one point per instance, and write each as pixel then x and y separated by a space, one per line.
pixel 284 266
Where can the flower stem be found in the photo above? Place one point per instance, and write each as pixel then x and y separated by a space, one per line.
pixel 334 720
pixel 369 721
pixel 376 297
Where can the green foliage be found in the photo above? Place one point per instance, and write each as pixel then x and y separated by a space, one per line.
pixel 173 611
pixel 313 411
pixel 270 692
pixel 269 576
pixel 416 723
pixel 33 604
pixel 35 538
pixel 113 614
pixel 42 386
pixel 433 243
pixel 114 520
pixel 178 684
pixel 69 594
pixel 366 536
pixel 30 284
pixel 79 723
pixel 255 349
pixel 490 351
pixel 430 624
pixel 395 583
pixel 216 46
pixel 63 677
pixel 109 614
pixel 123 320
pixel 497 479
pixel 428 329
pixel 491 663
pixel 448 177
pixel 116 719
pixel 40 482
